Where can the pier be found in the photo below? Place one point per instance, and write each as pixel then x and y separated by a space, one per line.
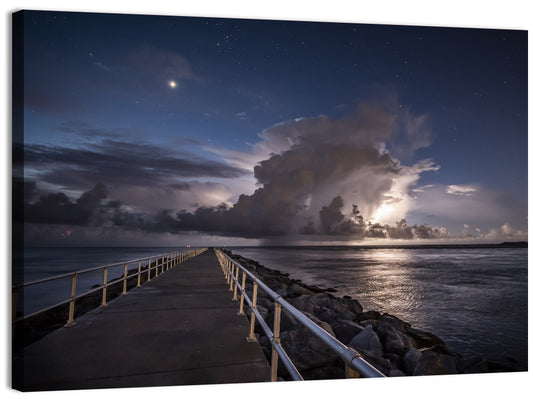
pixel 181 328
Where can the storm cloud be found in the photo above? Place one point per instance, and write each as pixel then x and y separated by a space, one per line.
pixel 321 177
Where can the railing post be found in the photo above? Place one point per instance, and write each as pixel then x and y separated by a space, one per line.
pixel 251 336
pixel 241 309
pixel 226 270
pixel 70 321
pixel 125 283
pixel 104 291
pixel 139 275
pixel 275 339
pixel 149 267
pixel 231 277
pixel 235 284
pixel 156 266
pixel 350 372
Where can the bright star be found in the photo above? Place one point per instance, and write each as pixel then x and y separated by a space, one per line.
pixel 172 84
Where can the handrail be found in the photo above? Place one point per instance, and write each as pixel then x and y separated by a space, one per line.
pixel 168 261
pixel 355 363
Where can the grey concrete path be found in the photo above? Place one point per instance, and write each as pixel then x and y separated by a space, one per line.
pixel 181 328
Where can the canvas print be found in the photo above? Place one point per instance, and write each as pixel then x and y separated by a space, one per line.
pixel 205 200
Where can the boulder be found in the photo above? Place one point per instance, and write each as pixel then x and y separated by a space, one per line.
pixel 321 300
pixel 394 340
pixel 341 309
pixel 295 290
pixel 262 311
pixel 410 360
pixel 396 373
pixel 423 339
pixel 327 315
pixel 303 303
pixel 287 322
pixel 398 324
pixel 328 372
pixel 366 323
pixel 367 340
pixel 345 330
pixel 353 305
pixel 370 315
pixel 376 360
pixel 433 363
pixel 305 349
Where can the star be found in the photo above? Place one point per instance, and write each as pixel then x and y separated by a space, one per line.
pixel 172 84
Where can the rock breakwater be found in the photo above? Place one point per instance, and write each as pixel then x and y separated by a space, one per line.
pixel 393 346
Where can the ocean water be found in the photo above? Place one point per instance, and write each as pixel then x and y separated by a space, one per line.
pixel 475 299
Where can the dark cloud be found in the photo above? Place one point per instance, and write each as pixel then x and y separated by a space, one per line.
pixel 57 208
pixel 119 163
pixel 333 222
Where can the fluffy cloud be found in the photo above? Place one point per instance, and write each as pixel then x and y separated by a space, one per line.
pixel 318 177
pixel 461 190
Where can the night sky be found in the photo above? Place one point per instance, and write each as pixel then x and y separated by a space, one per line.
pixel 161 130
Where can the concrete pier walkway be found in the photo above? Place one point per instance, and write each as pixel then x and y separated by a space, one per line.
pixel 181 328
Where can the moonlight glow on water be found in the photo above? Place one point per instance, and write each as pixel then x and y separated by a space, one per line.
pixel 458 294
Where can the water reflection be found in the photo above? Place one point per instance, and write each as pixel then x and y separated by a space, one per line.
pixel 458 294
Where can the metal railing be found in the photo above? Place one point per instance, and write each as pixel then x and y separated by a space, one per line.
pixel 155 266
pixel 355 365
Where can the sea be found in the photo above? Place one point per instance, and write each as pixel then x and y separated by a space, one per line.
pixel 474 298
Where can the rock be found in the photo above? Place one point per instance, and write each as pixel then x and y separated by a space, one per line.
pixel 367 340
pixel 410 360
pixel 423 339
pixel 370 315
pixel 328 372
pixel 297 290
pixel 262 311
pixel 393 339
pixel 373 323
pixel 342 311
pixel 287 322
pixel 303 303
pixel 433 363
pixel 376 360
pixel 327 315
pixel 396 373
pixel 321 300
pixel 353 305
pixel 345 330
pixel 266 302
pixel 305 349
pixel 398 324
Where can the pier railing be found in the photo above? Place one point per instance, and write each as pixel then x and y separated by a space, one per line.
pixel 154 266
pixel 355 364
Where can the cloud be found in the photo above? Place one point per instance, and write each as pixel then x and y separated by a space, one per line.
pixel 119 163
pixel 318 176
pixel 461 190
pixel 57 208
